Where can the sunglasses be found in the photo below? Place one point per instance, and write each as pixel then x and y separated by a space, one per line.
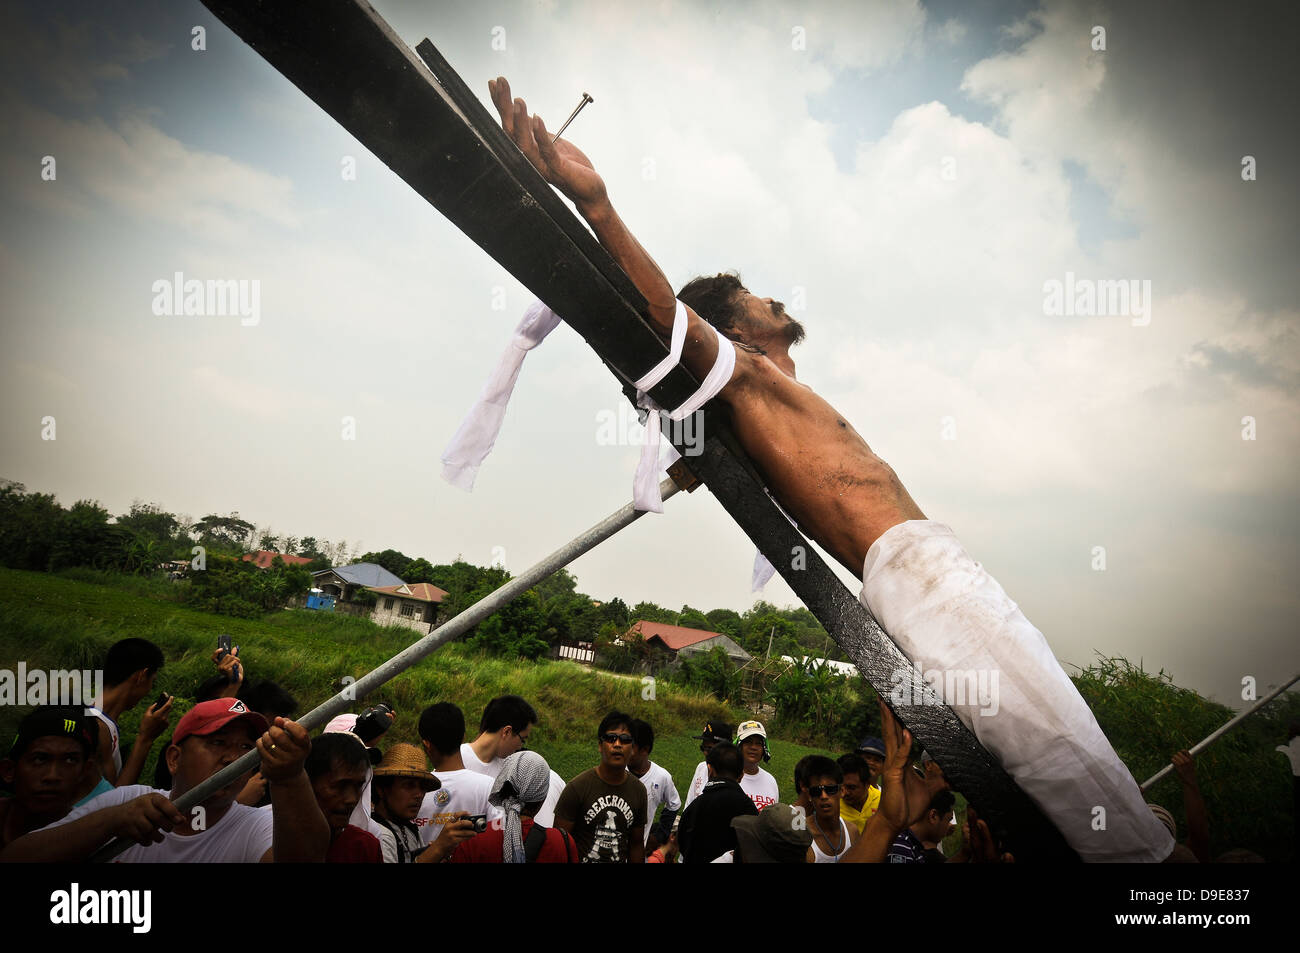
pixel 610 737
pixel 817 790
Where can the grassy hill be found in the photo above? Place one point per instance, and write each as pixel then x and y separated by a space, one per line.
pixel 68 621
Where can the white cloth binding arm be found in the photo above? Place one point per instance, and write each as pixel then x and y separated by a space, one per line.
pixel 478 431
pixel 645 488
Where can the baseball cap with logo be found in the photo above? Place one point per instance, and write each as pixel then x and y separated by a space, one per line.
pixel 208 717
pixel 715 731
pixel 749 729
pixel 71 723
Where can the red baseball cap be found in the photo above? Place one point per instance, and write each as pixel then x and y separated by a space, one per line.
pixel 211 716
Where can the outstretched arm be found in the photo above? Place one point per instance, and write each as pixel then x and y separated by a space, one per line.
pixel 566 167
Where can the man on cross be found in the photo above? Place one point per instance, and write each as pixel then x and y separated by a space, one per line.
pixel 938 605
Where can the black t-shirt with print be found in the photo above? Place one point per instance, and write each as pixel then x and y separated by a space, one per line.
pixel 603 815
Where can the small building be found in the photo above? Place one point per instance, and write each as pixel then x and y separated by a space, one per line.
pixel 682 642
pixel 263 558
pixel 807 664
pixel 414 605
pixel 342 582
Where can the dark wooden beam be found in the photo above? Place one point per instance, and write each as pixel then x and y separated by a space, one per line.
pixel 425 124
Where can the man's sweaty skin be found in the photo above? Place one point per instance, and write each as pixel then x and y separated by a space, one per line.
pixel 812 459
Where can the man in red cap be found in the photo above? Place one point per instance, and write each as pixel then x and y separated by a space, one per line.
pixel 211 736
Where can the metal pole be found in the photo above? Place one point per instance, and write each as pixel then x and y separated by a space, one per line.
pixel 1201 745
pixel 416 652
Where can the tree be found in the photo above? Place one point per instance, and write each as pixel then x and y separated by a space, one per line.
pixel 150 521
pixel 229 533
pixel 29 524
pixel 269 542
pixel 651 612
pixel 310 548
pixel 692 619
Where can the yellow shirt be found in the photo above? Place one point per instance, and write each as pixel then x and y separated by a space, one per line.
pixel 857 817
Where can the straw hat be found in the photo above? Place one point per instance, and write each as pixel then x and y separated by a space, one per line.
pixel 406 761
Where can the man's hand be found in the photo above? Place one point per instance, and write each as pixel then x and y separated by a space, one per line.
pixel 561 163
pixel 1185 767
pixel 228 664
pixel 145 818
pixel 154 721
pixel 284 749
pixel 253 791
pixel 453 832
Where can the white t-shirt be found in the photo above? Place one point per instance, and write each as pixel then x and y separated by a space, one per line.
pixel 462 790
pixel 659 789
pixel 821 857
pixel 698 780
pixel 242 835
pixel 761 788
pixel 96 709
pixel 546 814
pixel 489 769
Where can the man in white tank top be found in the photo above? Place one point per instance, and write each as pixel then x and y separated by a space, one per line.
pixel 831 834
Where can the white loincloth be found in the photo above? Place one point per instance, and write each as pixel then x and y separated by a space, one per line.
pixel 951 617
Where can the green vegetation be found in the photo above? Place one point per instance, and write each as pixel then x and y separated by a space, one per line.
pixel 68 621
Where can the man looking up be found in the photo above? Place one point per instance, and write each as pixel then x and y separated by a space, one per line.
pixel 604 808
pixel 938 605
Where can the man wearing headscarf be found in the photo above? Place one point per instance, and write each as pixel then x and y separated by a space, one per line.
pixel 519 791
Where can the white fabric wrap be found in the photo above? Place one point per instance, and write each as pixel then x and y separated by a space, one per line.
pixel 478 431
pixel 948 615
pixel 645 486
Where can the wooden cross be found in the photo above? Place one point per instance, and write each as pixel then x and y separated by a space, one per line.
pixel 418 117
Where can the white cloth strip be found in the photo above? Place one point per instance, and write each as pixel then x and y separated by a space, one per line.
pixel 645 485
pixel 478 431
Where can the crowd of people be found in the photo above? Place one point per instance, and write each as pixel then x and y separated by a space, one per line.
pixel 354 794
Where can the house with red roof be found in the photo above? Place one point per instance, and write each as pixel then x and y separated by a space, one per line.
pixel 414 605
pixel 263 558
pixel 683 642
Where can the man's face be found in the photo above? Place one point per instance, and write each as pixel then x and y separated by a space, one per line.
pixel 707 745
pixel 638 759
pixel 200 756
pixel 616 747
pixel 338 791
pixel 511 742
pixel 854 790
pixel 944 826
pixel 403 798
pixel 824 792
pixel 874 763
pixel 45 776
pixel 752 749
pixel 766 317
pixel 142 683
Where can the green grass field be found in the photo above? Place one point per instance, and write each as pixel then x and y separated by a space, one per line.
pixel 68 621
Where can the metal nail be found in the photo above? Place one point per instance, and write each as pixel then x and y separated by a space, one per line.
pixel 585 99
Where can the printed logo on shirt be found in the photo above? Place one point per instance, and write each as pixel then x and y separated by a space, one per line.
pixel 610 819
pixel 442 797
pixel 761 801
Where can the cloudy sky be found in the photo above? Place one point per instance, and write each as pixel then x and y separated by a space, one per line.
pixel 911 178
